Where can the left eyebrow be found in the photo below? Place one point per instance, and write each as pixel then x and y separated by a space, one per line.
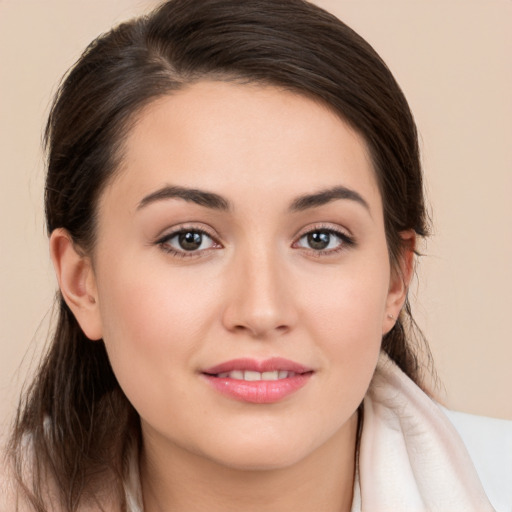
pixel 326 196
pixel 193 195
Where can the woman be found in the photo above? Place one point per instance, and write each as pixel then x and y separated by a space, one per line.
pixel 233 199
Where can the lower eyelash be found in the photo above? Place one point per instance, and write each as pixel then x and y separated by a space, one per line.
pixel 178 254
pixel 346 242
pixel 163 244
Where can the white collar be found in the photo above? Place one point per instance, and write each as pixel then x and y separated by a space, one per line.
pixel 411 458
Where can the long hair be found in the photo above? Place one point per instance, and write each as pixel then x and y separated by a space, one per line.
pixel 77 421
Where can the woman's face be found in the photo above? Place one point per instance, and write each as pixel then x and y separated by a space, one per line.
pixel 241 274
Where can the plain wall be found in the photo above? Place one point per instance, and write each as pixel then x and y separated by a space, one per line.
pixel 452 59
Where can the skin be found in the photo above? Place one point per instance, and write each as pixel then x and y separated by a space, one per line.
pixel 255 288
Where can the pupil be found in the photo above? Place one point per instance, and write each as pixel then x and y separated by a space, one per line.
pixel 190 241
pixel 319 240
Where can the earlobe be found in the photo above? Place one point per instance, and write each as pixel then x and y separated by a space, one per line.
pixel 400 280
pixel 77 282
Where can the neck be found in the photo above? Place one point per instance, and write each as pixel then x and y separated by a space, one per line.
pixel 174 479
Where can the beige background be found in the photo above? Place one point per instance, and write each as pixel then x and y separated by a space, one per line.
pixel 452 58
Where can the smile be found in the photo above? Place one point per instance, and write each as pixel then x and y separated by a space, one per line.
pixel 251 376
pixel 258 382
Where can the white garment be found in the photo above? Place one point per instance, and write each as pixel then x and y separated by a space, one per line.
pixel 411 457
pixel 489 443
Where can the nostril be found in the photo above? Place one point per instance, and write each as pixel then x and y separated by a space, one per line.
pixel 260 330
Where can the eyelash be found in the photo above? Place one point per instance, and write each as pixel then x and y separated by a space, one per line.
pixel 163 243
pixel 346 242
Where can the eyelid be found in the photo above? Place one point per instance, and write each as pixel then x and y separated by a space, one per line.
pixel 187 226
pixel 173 231
pixel 347 240
pixel 324 226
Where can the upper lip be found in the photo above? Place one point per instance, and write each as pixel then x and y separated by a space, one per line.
pixel 266 365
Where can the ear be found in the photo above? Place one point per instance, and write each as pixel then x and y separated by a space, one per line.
pixel 400 279
pixel 77 282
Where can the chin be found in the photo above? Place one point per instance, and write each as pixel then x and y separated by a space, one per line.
pixel 263 460
pixel 267 446
pixel 259 454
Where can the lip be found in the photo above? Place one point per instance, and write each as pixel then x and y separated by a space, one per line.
pixel 266 365
pixel 262 391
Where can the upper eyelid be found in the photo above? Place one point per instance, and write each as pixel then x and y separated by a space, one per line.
pixel 180 228
pixel 325 226
pixel 344 235
pixel 164 243
pixel 216 237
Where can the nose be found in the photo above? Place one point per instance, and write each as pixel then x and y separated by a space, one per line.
pixel 260 297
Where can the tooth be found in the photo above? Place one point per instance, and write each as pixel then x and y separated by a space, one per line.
pixel 250 375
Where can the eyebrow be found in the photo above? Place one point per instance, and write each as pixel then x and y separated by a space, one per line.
pixel 200 197
pixel 326 196
pixel 217 202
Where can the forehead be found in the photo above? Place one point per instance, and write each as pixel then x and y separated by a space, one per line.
pixel 230 138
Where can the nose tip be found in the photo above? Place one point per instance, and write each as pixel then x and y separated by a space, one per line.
pixel 260 324
pixel 260 303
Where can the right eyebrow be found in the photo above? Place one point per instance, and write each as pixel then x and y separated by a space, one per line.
pixel 193 195
pixel 326 196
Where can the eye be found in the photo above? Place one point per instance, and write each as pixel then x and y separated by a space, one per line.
pixel 187 241
pixel 324 240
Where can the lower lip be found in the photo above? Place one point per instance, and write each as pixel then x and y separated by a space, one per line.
pixel 260 391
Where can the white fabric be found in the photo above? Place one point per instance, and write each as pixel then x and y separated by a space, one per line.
pixel 132 488
pixel 489 443
pixel 411 458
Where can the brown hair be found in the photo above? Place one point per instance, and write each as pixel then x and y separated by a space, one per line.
pixel 79 423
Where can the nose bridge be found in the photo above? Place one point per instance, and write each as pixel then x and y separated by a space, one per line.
pixel 260 303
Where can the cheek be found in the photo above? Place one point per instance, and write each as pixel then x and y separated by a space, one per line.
pixel 348 306
pixel 344 315
pixel 150 304
pixel 151 327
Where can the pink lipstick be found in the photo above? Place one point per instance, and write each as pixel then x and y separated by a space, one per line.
pixel 258 382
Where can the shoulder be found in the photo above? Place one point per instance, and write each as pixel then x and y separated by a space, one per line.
pixel 489 443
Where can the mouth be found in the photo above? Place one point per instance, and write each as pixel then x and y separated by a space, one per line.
pixel 258 382
pixel 253 376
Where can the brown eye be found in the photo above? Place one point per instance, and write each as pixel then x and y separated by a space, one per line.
pixel 319 240
pixel 324 240
pixel 190 240
pixel 187 241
